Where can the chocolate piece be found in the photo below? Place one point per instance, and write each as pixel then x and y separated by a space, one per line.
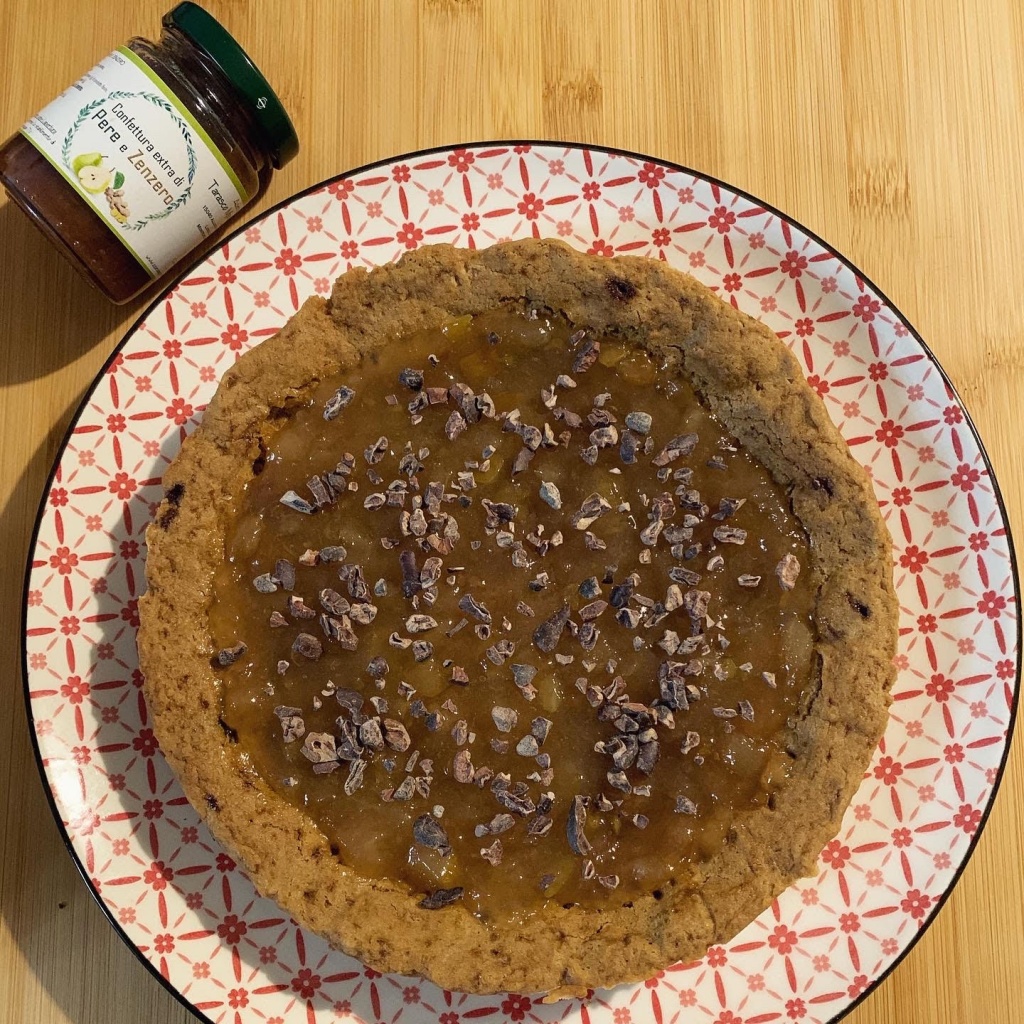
pixel 420 624
pixel 504 718
pixel 338 401
pixel 471 606
pixel 730 535
pixel 586 355
pixel 679 574
pixel 521 805
pixel 604 437
pixel 319 748
pixel 377 668
pixel 410 573
pixel 429 832
pixel 499 824
pixel 550 495
pixel 684 805
pixel 371 735
pixel 298 609
pixel 493 853
pixel 523 675
pixel 395 735
pixel 265 583
pixel 522 460
pixel 323 492
pixel 441 898
pixel 695 602
pixel 308 646
pixel 412 379
pixel 292 725
pixel 293 501
pixel 728 507
pixel 528 746
pixel 594 506
pixel 678 447
pixel 455 426
pixel 229 655
pixel 350 700
pixel 639 421
pixel 462 767
pixel 787 571
pixel 575 826
pixel 374 455
pixel 549 632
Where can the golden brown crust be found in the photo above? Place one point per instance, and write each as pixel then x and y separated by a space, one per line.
pixel 754 385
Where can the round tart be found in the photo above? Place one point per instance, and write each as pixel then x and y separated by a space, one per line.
pixel 519 618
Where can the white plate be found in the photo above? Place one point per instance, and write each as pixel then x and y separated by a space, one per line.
pixel 181 902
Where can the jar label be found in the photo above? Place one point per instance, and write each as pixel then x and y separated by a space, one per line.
pixel 128 146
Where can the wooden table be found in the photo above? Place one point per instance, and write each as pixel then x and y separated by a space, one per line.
pixel 894 130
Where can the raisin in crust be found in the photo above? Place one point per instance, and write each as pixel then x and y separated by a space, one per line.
pixel 754 385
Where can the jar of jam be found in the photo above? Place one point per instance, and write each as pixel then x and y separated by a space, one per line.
pixel 145 157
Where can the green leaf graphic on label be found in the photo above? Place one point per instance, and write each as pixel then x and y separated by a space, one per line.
pixel 118 179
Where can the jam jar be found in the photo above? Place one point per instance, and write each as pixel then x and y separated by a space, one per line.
pixel 143 159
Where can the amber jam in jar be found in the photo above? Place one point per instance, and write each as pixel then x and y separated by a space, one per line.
pixel 131 169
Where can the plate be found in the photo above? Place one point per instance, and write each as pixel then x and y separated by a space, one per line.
pixel 184 905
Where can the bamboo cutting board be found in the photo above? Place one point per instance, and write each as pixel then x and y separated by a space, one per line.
pixel 893 130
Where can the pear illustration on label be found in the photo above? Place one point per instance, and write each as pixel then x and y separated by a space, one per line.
pixel 91 173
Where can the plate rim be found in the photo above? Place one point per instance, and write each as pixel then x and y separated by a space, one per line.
pixel 190 268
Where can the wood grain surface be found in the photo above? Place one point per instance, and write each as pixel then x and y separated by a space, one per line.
pixel 895 130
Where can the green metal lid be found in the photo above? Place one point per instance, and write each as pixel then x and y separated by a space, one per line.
pixel 272 121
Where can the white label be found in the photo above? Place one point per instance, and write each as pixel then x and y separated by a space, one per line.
pixel 125 143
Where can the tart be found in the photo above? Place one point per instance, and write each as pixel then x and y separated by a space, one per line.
pixel 519 618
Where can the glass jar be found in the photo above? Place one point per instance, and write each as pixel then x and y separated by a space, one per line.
pixel 130 170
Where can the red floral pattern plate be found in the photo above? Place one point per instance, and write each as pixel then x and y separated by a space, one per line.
pixel 183 903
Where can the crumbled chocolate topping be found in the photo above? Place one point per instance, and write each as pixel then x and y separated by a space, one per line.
pixel 298 504
pixel 471 606
pixel 549 632
pixel 594 506
pixel 787 571
pixel 586 355
pixel 575 826
pixel 639 421
pixel 654 526
pixel 229 655
pixel 338 401
pixel 412 379
pixel 308 646
pixel 395 735
pixel 441 898
pixel 292 725
pixel 730 535
pixel 678 447
pixel 427 831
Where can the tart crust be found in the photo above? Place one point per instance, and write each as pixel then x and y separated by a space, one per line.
pixel 749 379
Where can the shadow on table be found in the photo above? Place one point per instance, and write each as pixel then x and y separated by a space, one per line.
pixel 34 282
pixel 51 918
